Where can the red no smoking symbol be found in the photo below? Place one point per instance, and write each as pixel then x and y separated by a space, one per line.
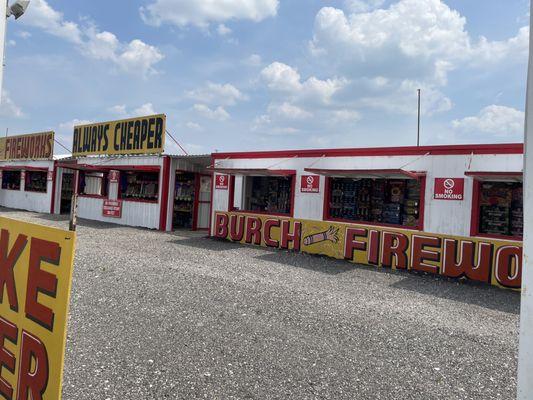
pixel 449 184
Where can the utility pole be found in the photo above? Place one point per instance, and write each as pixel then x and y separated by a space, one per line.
pixel 3 29
pixel 418 130
pixel 525 355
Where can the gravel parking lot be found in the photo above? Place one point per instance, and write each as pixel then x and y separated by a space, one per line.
pixel 179 316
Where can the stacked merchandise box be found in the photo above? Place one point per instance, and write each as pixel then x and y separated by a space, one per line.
pixel 411 205
pixel 271 194
pixel 139 186
pixel 496 199
pixel 517 212
pixel 392 211
pixel 184 200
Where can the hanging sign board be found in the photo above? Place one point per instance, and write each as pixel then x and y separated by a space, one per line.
pixel 113 176
pixel 222 182
pixel 36 146
pixel 36 267
pixel 310 184
pixel 141 135
pixel 112 208
pixel 449 188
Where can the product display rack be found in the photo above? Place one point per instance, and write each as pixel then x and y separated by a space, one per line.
pixel 501 209
pixel 387 201
pixel 184 195
pixel 270 194
pixel 36 181
pixel 67 190
pixel 140 186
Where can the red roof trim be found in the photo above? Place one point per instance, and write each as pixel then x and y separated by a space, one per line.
pixel 485 173
pixel 251 171
pixel 507 148
pixel 359 172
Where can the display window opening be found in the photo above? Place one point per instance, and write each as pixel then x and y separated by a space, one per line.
pixel 36 181
pixel 272 195
pixel 92 183
pixel 389 202
pixel 498 209
pixel 67 190
pixel 185 195
pixel 139 186
pixel 11 180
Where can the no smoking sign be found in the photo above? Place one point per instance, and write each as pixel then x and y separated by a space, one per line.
pixel 310 184
pixel 449 188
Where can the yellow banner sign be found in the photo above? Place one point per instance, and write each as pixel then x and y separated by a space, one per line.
pixel 142 135
pixel 35 281
pixel 36 146
pixel 498 262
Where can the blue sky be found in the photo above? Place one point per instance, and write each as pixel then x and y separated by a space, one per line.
pixel 272 74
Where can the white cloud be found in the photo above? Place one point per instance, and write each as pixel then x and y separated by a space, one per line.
pixel 119 109
pixel 23 34
pixel 254 60
pixel 122 111
pixel 284 78
pixel 68 127
pixel 344 115
pixel 357 6
pixel 8 108
pixel 133 57
pixel 412 39
pixel 219 94
pixel 202 12
pixel 218 113
pixel 145 109
pixel 223 30
pixel 41 15
pixel 288 111
pixel 194 126
pixel 499 121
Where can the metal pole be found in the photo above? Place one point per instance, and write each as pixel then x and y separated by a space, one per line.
pixel 73 213
pixel 525 355
pixel 3 33
pixel 418 130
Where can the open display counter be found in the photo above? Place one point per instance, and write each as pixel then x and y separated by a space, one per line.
pixel 386 201
pixel 140 186
pixel 268 194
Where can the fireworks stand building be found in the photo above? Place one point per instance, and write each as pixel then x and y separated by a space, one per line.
pixel 450 210
pixel 27 172
pixel 121 175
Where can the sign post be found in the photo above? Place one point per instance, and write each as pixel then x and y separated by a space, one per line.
pixel 36 264
pixel 525 356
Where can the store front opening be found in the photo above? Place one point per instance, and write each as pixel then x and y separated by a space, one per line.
pixel 184 200
pixel 67 190
pixel 268 194
pixel 11 180
pixel 391 197
pixel 497 206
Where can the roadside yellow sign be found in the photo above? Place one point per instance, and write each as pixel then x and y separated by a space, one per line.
pixel 35 146
pixel 142 135
pixel 36 266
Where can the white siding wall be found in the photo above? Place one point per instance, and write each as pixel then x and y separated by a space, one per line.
pixel 441 216
pixel 30 201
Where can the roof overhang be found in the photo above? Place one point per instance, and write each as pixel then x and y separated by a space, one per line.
pixel 101 168
pixel 23 168
pixel 367 173
pixel 254 171
pixel 516 176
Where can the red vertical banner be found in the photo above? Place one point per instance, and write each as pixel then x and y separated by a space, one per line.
pixel 113 176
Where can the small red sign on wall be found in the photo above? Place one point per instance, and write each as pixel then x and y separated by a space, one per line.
pixel 23 175
pixel 222 182
pixel 113 176
pixel 310 184
pixel 449 188
pixel 50 175
pixel 112 208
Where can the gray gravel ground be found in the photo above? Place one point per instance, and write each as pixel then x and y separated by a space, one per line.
pixel 178 316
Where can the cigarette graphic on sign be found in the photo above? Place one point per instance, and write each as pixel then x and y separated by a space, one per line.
pixel 332 235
